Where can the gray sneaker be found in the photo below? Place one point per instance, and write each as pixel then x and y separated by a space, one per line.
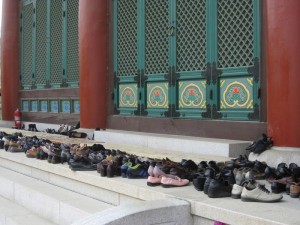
pixel 259 194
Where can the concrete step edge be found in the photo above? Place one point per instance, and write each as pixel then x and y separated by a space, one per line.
pixel 14 214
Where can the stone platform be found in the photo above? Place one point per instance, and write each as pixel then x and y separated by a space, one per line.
pixel 125 194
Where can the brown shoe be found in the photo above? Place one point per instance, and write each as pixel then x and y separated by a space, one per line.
pixel 295 190
pixel 31 153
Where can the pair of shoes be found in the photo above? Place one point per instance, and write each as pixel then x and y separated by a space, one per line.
pixel 167 182
pixel 32 127
pixel 237 189
pixel 221 186
pixel 75 134
pixel 263 143
pixel 108 168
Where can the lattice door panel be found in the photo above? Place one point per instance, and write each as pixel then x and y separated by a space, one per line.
pixel 191 57
pixel 235 33
pixel 27 26
pixel 56 27
pixel 156 36
pixel 72 42
pixel 41 42
pixel 236 72
pixel 127 37
pixel 126 56
pixel 156 90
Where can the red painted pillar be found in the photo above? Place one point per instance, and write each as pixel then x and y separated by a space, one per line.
pixel 93 62
pixel 283 71
pixel 10 52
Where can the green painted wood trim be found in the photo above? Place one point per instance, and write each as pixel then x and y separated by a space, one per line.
pixel 256 23
pixel 115 22
pixel 33 78
pixel 141 34
pixel 141 50
pixel 256 18
pixel 22 46
pixel 64 40
pixel 115 58
pixel 48 50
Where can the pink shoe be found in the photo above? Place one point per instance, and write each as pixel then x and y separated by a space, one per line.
pixel 153 181
pixel 150 170
pixel 173 182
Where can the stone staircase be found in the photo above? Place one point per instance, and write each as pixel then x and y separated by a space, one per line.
pixel 28 199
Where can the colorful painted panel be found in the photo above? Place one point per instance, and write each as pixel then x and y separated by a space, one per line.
pixel 44 106
pixel 157 95
pixel 25 106
pixel 192 94
pixel 236 93
pixel 76 106
pixel 65 106
pixel 34 105
pixel 54 106
pixel 128 96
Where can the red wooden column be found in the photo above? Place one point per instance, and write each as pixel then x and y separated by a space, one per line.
pixel 93 62
pixel 283 71
pixel 10 52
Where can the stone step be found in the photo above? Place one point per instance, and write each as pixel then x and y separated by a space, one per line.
pixel 54 203
pixel 14 214
pixel 186 144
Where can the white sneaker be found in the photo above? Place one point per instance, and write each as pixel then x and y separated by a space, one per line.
pixel 259 194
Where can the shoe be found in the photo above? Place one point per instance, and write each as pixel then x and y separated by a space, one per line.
pixel 295 190
pixel 278 187
pixel 31 153
pixel 124 168
pixel 219 188
pixel 153 181
pixel 168 182
pixel 82 165
pixel 237 189
pixel 75 134
pixel 137 171
pixel 259 194
pixel 206 184
pixel 199 182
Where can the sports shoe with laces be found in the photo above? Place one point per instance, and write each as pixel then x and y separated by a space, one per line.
pixel 259 194
pixel 167 182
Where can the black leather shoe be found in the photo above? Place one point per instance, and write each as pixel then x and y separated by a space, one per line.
pixel 198 182
pixel 278 187
pixel 219 188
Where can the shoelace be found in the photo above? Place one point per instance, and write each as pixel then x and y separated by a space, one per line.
pixel 263 188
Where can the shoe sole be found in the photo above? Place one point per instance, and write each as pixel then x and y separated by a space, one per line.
pixel 294 195
pixel 153 184
pixel 256 200
pixel 170 185
pixel 236 196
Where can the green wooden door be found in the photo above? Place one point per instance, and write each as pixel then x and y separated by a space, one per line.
pixel 188 59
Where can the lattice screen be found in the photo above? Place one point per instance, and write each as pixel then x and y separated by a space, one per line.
pixel 41 41
pixel 56 41
pixel 235 33
pixel 27 16
pixel 191 35
pixel 72 41
pixel 127 37
pixel 156 35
